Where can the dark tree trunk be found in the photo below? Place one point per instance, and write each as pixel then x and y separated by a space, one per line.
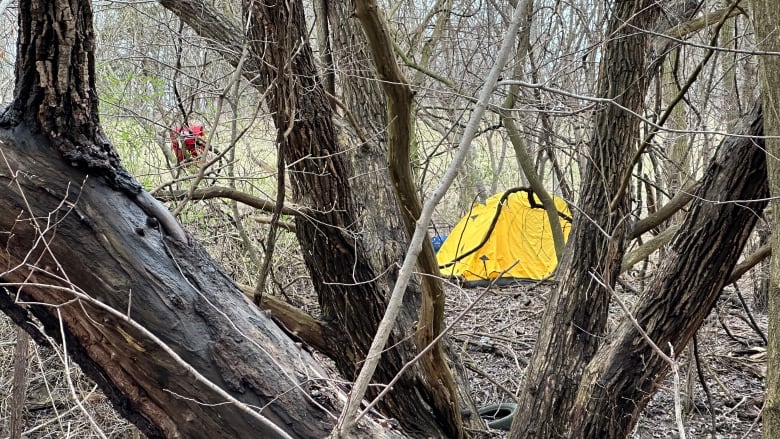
pixel 626 372
pixel 55 85
pixel 576 315
pixel 351 291
pixel 102 252
pixel 384 231
pixel 382 228
pixel 106 269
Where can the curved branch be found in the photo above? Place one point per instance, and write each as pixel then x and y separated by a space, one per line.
pixel 631 259
pixel 677 202
pixel 399 133
pixel 683 30
pixel 749 262
pixel 233 194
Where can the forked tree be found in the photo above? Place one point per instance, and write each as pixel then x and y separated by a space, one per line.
pixel 109 273
pixel 584 381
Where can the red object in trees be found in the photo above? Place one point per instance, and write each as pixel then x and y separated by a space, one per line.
pixel 192 148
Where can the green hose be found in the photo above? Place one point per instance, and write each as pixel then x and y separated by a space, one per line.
pixel 498 416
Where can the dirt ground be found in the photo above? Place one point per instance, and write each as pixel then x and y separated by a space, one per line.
pixel 496 338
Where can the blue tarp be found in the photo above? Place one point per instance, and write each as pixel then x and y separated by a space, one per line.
pixel 437 241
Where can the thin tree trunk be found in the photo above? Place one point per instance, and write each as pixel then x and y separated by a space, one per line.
pixel 524 160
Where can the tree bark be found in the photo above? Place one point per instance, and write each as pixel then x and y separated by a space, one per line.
pixel 765 21
pixel 108 272
pixel 626 372
pixel 399 98
pixel 384 230
pixel 55 85
pixel 576 315
pixel 351 301
pixel 174 291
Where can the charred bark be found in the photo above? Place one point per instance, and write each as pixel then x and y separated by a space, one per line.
pixel 55 83
pixel 81 252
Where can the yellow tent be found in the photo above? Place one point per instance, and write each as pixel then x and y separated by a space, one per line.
pixel 510 228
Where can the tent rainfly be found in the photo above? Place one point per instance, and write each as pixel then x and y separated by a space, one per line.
pixel 509 234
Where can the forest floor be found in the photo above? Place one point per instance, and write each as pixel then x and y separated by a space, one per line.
pixel 495 338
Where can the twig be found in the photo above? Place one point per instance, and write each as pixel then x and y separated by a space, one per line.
pixel 59 417
pixel 4 5
pixel 19 382
pixel 755 421
pixel 270 242
pixel 677 403
pixel 704 386
pixel 667 358
pixel 430 345
pixel 473 367
pixel 721 385
pixel 752 322
pixel 736 406
pixel 728 331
